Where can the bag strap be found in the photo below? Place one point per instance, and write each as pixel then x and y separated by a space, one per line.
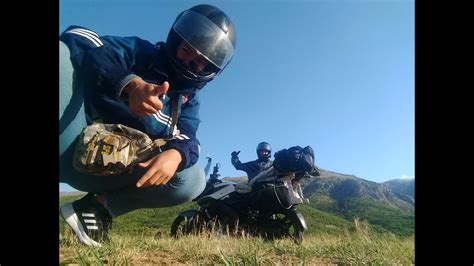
pixel 174 113
pixel 157 143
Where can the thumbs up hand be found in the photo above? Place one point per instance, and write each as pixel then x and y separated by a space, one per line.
pixel 144 97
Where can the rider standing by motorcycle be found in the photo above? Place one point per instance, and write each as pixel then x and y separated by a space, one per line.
pixel 253 168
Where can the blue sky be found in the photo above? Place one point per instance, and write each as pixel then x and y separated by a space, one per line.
pixel 335 75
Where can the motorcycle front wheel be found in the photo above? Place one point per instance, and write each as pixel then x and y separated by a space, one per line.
pixel 182 225
pixel 286 225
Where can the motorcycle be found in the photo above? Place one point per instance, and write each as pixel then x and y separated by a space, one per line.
pixel 265 206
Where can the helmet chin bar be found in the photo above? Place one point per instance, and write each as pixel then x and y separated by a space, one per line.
pixel 183 77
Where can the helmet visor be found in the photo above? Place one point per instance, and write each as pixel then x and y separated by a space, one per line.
pixel 206 37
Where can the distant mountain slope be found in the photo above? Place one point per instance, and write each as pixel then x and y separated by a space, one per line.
pixel 239 179
pixel 72 193
pixel 340 187
pixel 402 186
pixel 349 197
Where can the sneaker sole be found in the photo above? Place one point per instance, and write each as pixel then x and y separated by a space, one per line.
pixel 69 215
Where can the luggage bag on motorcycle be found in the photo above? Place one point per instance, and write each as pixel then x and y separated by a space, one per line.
pixel 280 192
pixel 275 195
pixel 294 159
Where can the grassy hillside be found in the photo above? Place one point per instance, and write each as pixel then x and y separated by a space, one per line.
pixel 142 237
pixel 381 216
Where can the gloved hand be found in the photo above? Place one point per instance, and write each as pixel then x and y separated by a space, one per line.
pixel 235 157
pixel 235 154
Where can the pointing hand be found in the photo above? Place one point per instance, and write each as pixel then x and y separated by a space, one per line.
pixel 144 97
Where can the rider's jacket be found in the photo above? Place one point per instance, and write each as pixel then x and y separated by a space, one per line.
pixel 252 168
pixel 104 65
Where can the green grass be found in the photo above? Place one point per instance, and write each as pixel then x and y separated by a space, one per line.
pixel 142 237
pixel 382 217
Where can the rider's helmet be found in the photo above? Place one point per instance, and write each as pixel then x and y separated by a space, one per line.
pixel 211 33
pixel 264 151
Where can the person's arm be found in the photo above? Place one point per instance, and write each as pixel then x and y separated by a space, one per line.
pixel 181 152
pixel 109 69
pixel 235 160
pixel 242 166
pixel 105 63
pixel 237 164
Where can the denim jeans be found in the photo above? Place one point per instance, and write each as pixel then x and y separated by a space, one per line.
pixel 120 191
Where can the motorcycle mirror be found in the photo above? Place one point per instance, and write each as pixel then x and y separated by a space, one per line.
pixel 208 166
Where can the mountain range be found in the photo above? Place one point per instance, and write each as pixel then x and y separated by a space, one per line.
pixel 388 206
pixel 404 186
pixel 340 187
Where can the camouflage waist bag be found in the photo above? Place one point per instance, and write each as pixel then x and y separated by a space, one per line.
pixel 110 149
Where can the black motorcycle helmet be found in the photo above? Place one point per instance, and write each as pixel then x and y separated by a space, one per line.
pixel 211 33
pixel 264 146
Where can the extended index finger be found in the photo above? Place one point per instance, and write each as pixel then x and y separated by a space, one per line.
pixel 149 174
pixel 143 179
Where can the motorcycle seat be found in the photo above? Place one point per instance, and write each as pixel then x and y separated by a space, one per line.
pixel 243 188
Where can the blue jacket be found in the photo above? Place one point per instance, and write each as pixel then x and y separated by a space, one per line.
pixel 104 65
